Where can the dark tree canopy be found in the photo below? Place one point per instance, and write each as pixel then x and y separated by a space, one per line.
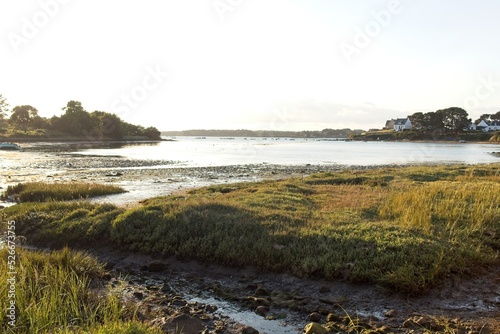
pixel 455 119
pixel 78 123
pixel 452 119
pixel 22 116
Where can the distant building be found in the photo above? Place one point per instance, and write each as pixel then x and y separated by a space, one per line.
pixel 471 127
pixel 487 126
pixel 401 124
pixel 389 125
pixel 398 124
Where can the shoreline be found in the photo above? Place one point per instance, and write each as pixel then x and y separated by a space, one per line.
pixel 144 179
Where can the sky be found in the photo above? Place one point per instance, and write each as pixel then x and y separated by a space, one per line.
pixel 252 64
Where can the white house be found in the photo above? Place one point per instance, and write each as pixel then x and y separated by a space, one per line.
pixel 487 126
pixel 471 127
pixel 401 124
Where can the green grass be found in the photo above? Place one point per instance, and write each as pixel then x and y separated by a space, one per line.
pixel 56 293
pixel 403 228
pixel 58 224
pixel 42 192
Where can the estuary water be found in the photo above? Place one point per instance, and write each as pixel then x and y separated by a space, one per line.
pixel 212 151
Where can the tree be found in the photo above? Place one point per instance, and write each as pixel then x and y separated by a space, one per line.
pixel 455 119
pixel 23 115
pixel 495 117
pixel 418 120
pixel 433 121
pixel 152 133
pixel 75 120
pixel 4 107
pixel 107 125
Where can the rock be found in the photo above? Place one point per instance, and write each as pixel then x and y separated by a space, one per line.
pixel 315 317
pixel 332 317
pixel 249 330
pixel 183 322
pixel 262 310
pixel 109 265
pixel 155 266
pixel 390 314
pixel 115 174
pixel 139 295
pixel 107 276
pixel 324 289
pixel 314 328
pixel 262 290
pixel 210 308
pixel 421 322
pixel 166 287
pixel 178 302
pixel 328 301
pixel 185 310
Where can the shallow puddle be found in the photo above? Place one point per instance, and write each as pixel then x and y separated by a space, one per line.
pixel 264 326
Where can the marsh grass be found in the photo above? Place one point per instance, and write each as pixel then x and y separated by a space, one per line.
pixel 405 228
pixel 58 292
pixel 58 224
pixel 43 192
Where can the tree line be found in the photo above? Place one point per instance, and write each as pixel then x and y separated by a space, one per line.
pixel 452 120
pixel 325 133
pixel 76 122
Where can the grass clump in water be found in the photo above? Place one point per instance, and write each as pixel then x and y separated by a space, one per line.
pixel 42 191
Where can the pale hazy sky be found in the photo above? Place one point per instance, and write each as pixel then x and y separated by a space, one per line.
pixel 255 64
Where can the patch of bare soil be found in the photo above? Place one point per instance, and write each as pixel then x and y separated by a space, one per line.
pixel 281 303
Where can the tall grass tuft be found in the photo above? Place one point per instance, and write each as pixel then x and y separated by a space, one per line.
pixel 53 294
pixel 42 192
pixel 464 217
pixel 452 209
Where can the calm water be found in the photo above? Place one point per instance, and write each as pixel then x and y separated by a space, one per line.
pixel 192 152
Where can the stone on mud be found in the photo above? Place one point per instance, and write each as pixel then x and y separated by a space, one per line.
pixel 314 328
pixel 262 290
pixel 262 310
pixel 183 322
pixel 249 330
pixel 315 317
pixel 155 266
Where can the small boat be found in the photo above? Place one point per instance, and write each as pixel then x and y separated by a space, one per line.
pixel 9 146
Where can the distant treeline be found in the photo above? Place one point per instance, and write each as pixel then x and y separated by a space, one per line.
pixel 24 122
pixel 325 133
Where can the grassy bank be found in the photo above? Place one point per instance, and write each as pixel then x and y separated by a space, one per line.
pixel 57 293
pixel 404 228
pixel 43 192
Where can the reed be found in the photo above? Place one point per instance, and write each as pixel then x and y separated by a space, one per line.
pixel 55 293
pixel 42 191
